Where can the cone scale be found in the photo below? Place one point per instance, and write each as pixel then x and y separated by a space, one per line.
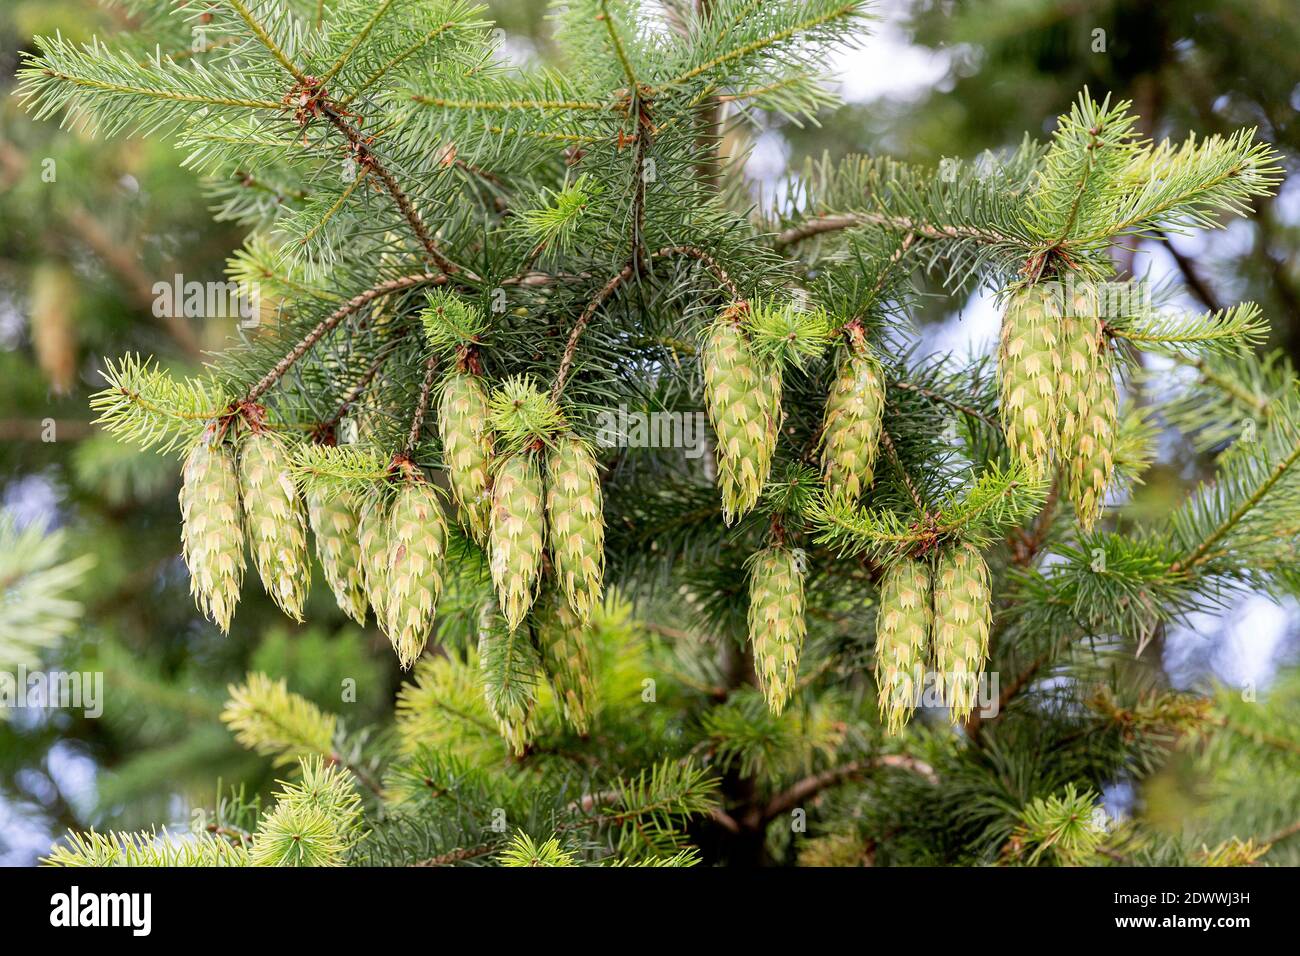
pixel 575 523
pixel 903 624
pixel 851 430
pixel 467 448
pixel 417 543
pixel 212 535
pixel 962 618
pixel 334 523
pixel 743 397
pixel 275 521
pixel 517 534
pixel 776 622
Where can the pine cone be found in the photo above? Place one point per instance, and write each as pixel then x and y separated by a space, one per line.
pixel 212 536
pixel 372 540
pixel 274 521
pixel 1029 367
pixel 517 534
pixel 776 622
pixel 1089 419
pixel 565 645
pixel 467 448
pixel 962 616
pixel 851 433
pixel 902 635
pixel 576 523
pixel 511 670
pixel 743 396
pixel 334 523
pixel 417 542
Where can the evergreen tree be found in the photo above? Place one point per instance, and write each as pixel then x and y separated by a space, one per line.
pixel 899 605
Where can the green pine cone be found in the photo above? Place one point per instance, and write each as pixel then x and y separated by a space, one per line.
pixel 1089 421
pixel 511 671
pixel 962 617
pixel 334 523
pixel 372 540
pixel 517 534
pixel 1029 368
pixel 576 523
pixel 776 622
pixel 903 623
pixel 467 448
pixel 851 433
pixel 417 543
pixel 743 397
pixel 212 536
pixel 565 642
pixel 275 521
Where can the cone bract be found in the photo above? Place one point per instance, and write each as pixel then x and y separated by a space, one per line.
pixel 1090 416
pixel 467 448
pixel 275 521
pixel 417 543
pixel 962 617
pixel 1029 367
pixel 776 622
pixel 212 536
pixel 372 541
pixel 517 534
pixel 575 523
pixel 334 523
pixel 565 642
pixel 902 635
pixel 743 396
pixel 851 431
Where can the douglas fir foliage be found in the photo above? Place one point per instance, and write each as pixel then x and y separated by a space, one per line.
pixel 469 265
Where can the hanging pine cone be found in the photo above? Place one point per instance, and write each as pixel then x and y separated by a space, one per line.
pixel 334 523
pixel 511 670
pixel 902 634
pixel 854 411
pixel 467 448
pixel 372 540
pixel 1089 418
pixel 962 617
pixel 417 542
pixel 776 622
pixel 565 641
pixel 1029 367
pixel 575 523
pixel 743 396
pixel 517 534
pixel 274 521
pixel 212 536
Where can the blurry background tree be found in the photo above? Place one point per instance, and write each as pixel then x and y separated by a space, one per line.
pixel 87 228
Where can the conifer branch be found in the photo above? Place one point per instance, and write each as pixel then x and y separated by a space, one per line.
pixel 421 405
pixel 332 320
pixel 264 38
pixel 1198 555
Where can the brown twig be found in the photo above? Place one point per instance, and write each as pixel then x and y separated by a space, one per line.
pixel 333 319
pixel 611 286
pixel 422 406
pixel 366 157
pixel 823 224
pixel 808 787
pixel 887 442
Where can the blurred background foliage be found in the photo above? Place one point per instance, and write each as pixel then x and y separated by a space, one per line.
pixel 88 226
